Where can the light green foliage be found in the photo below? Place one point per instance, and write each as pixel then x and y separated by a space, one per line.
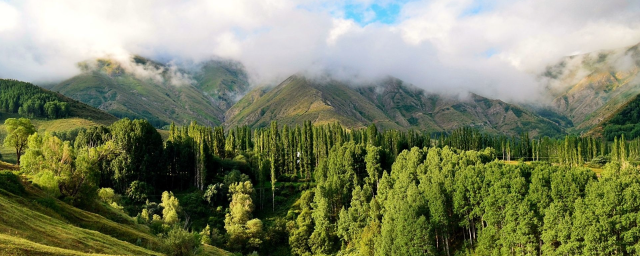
pixel 303 226
pixel 108 196
pixel 56 164
pixel 48 182
pixel 18 132
pixel 171 208
pixel 243 231
pixel 179 242
pixel 205 235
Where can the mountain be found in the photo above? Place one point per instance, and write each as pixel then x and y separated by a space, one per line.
pixel 141 88
pixel 298 99
pixel 389 103
pixel 588 88
pixel 224 81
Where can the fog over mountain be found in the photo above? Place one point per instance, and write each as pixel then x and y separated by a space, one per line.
pixel 495 48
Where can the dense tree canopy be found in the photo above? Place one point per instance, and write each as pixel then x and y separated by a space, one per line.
pixel 330 191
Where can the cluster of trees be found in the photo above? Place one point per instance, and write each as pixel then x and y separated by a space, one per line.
pixel 569 150
pixel 30 101
pixel 444 201
pixel 370 192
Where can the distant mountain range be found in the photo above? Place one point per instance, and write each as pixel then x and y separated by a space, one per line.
pixel 586 91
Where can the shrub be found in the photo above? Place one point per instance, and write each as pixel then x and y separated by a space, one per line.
pixel 48 182
pixel 138 191
pixel 180 242
pixel 107 195
pixel 11 183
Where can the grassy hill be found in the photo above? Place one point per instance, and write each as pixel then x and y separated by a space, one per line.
pixel 16 96
pixel 588 88
pixel 32 223
pixel 389 104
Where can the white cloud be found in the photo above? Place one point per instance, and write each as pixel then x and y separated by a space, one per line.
pixel 436 44
pixel 8 17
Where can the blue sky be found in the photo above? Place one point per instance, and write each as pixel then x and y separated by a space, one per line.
pixel 382 13
pixel 388 12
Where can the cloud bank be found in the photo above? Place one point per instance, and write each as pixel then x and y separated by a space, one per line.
pixel 494 48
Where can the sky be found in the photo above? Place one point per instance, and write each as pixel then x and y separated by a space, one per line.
pixel 493 48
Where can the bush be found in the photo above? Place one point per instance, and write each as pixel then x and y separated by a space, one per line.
pixel 138 191
pixel 11 183
pixel 48 182
pixel 107 195
pixel 180 242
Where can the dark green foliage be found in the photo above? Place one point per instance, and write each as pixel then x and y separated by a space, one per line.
pixel 11 183
pixel 625 122
pixel 32 101
pixel 140 151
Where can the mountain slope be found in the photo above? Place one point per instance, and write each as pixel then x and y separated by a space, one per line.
pixel 411 107
pixel 298 99
pixel 625 121
pixel 388 104
pixel 223 81
pixel 141 88
pixel 588 88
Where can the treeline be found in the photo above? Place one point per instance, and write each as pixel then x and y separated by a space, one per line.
pixel 570 150
pixel 30 101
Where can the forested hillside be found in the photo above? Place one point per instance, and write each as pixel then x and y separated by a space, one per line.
pixel 625 121
pixel 28 100
pixel 308 190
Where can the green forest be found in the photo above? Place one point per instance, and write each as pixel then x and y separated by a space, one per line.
pixel 326 190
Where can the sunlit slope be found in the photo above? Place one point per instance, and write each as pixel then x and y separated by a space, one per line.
pixel 31 223
pixel 298 99
pixel 624 121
